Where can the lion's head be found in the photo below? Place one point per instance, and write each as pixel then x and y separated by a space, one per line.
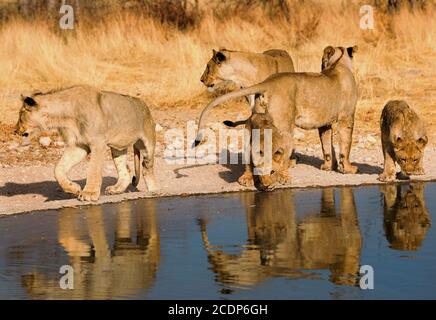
pixel 270 150
pixel 218 70
pixel 332 55
pixel 410 153
pixel 407 220
pixel 29 119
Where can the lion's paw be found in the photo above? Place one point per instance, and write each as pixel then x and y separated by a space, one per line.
pixel 246 180
pixel 89 196
pixel 282 177
pixel 348 169
pixel 115 189
pixel 384 177
pixel 72 188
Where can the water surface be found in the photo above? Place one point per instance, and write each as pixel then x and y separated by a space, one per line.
pixel 287 244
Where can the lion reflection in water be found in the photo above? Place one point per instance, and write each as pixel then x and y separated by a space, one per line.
pixel 102 270
pixel 279 244
pixel 406 217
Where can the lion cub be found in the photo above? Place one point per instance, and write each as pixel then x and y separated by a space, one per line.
pixel 90 120
pixel 403 138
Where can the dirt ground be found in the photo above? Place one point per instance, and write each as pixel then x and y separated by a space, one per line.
pixel 27 181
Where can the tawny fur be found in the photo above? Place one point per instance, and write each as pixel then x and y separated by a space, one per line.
pixel 89 120
pixel 406 216
pixel 310 101
pixel 279 243
pixel 244 69
pixel 404 138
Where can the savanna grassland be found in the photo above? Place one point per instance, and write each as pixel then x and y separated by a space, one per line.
pixel 157 50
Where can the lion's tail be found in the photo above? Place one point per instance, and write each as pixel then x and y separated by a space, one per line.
pixel 234 124
pixel 258 88
pixel 137 164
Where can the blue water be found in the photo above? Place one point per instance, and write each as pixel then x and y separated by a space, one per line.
pixel 287 244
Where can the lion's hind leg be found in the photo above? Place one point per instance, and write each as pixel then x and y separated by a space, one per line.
pixel 120 160
pixel 345 132
pixel 147 149
pixel 326 137
pixel 71 157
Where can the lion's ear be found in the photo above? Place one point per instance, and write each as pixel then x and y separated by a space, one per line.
pixel 329 51
pixel 28 101
pixel 352 50
pixel 219 56
pixel 423 141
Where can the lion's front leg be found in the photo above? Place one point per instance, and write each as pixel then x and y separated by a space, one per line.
pixel 247 179
pixel 71 157
pixel 389 167
pixel 120 160
pixel 282 176
pixel 92 190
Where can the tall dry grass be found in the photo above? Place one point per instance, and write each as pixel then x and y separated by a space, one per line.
pixel 138 55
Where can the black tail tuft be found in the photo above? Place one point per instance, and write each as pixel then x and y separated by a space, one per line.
pixel 135 181
pixel 196 143
pixel 229 123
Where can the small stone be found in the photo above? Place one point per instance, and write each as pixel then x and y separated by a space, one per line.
pixel 45 141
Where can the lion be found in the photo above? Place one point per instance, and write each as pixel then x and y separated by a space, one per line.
pixel 125 245
pixel 244 69
pixel 284 242
pixel 269 170
pixel 89 120
pixel 406 216
pixel 310 101
pixel 404 138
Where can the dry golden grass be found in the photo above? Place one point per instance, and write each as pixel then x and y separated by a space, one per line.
pixel 139 56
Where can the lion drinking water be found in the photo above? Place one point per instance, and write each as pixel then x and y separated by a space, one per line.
pixel 404 139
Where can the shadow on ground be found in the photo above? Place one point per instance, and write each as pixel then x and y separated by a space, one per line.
pixel 50 189
pixel 317 162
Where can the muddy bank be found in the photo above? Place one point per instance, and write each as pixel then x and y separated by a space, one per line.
pixel 32 188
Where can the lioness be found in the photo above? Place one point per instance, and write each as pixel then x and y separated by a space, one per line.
pixel 244 69
pixel 404 138
pixel 89 120
pixel 310 101
pixel 281 151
